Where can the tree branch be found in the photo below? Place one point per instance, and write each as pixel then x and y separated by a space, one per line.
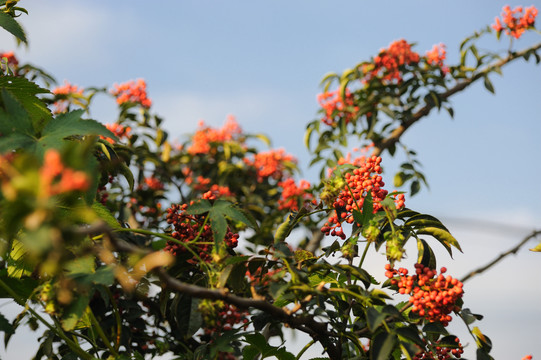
pixel 395 135
pixel 305 323
pixel 514 250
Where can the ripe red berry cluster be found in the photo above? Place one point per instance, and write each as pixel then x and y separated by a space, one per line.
pixel 227 317
pixel 433 296
pixel 336 107
pixel 441 352
pixel 292 194
pixel 388 62
pixel 258 278
pixel 186 229
pixel 362 180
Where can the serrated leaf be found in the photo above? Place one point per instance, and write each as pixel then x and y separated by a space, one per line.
pixel 218 225
pixel 12 26
pixel 199 207
pixel 240 215
pixel 71 124
pixel 15 119
pixel 6 326
pixel 17 266
pixel 74 312
pixel 23 287
pixel 256 340
pixel 25 92
pixel 250 352
pixel 104 214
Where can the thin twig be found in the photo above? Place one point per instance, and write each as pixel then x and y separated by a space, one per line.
pixel 305 323
pixel 395 135
pixel 514 250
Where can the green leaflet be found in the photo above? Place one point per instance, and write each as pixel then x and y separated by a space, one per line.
pixel 24 92
pixel 19 130
pixel 12 26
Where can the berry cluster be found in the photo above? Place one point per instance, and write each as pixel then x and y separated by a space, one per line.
pixel 515 25
pixel 336 108
pixel 436 56
pixel 11 58
pixel 433 296
pixel 67 90
pixel 188 227
pixel 258 278
pixel 387 63
pixel 55 178
pixel 132 92
pixel 292 194
pixel 217 191
pixel 362 180
pixel 204 136
pixel 270 164
pixel 441 352
pixel 220 316
pixel 153 183
pixel 120 131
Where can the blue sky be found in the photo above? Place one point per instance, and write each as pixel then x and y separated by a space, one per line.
pixel 262 62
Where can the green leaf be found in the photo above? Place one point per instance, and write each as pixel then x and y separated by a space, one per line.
pixel 74 312
pixel 25 92
pixel 382 346
pixel 126 172
pixel 410 333
pixel 374 318
pixel 488 85
pixel 6 326
pixel 250 352
pixel 285 228
pixel 218 224
pixel 469 317
pixel 24 287
pixel 483 341
pixel 16 261
pixel 415 187
pixel 444 237
pixel 256 340
pixel 423 220
pixel 199 207
pixel 15 119
pixel 71 124
pixel 12 26
pixel 104 214
pixel 426 255
pixel 240 215
pixel 81 265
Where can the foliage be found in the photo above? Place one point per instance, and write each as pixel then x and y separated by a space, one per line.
pixel 130 242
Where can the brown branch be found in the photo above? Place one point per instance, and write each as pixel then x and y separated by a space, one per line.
pixel 305 323
pixel 395 135
pixel 514 250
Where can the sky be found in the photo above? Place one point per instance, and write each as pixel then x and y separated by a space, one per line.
pixel 263 61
